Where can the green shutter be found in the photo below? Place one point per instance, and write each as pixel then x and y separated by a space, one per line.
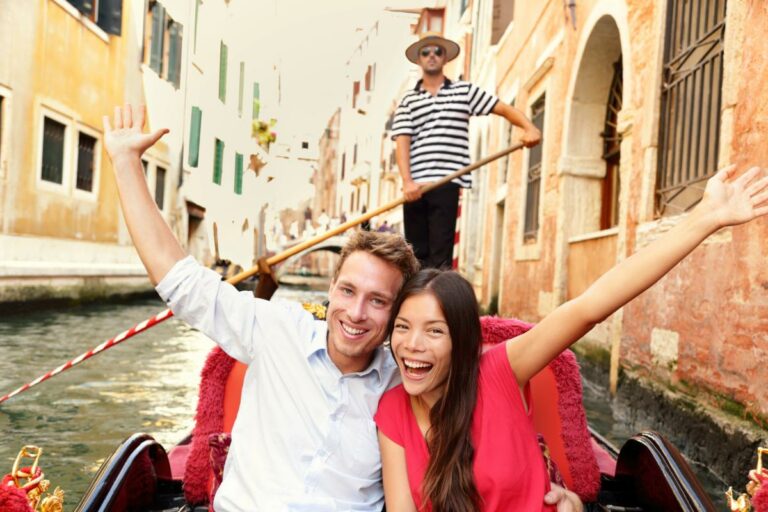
pixel 223 72
pixel 218 159
pixel 156 48
pixel 256 101
pixel 242 87
pixel 194 136
pixel 174 53
pixel 238 174
pixel 194 37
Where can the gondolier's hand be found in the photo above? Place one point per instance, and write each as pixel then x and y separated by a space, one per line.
pixel 125 138
pixel 565 500
pixel 531 136
pixel 729 201
pixel 411 191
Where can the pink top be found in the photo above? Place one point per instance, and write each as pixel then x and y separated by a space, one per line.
pixel 509 468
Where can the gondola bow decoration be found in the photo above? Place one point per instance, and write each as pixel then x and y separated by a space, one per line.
pixel 25 488
pixel 756 497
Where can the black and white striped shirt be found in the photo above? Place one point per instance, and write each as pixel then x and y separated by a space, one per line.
pixel 439 128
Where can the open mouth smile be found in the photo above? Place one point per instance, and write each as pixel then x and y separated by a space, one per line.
pixel 416 369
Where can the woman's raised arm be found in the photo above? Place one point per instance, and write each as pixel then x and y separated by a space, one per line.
pixel 727 201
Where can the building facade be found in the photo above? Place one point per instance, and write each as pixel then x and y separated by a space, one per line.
pixel 639 103
pixel 65 64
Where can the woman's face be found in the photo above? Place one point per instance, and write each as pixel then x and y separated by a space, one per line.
pixel 422 345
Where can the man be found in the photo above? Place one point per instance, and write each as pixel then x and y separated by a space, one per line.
pixel 304 437
pixel 431 134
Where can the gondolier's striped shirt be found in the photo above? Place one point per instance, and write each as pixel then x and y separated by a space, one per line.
pixel 439 128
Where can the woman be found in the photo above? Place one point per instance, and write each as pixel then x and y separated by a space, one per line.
pixel 455 435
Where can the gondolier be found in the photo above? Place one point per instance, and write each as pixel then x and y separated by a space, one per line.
pixel 431 131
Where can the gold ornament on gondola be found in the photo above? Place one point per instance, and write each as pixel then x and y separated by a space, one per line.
pixel 31 480
pixel 757 477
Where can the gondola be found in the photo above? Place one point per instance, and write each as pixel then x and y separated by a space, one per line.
pixel 646 474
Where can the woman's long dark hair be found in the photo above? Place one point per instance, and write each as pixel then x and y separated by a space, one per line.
pixel 449 483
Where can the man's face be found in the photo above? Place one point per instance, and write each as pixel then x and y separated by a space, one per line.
pixel 360 300
pixel 432 59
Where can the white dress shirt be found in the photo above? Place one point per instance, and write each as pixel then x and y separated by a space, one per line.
pixel 304 437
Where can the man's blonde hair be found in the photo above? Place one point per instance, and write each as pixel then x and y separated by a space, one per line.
pixel 390 247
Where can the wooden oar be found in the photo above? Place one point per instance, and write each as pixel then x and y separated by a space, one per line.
pixel 272 260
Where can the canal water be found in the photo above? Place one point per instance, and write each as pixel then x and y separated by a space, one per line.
pixel 147 384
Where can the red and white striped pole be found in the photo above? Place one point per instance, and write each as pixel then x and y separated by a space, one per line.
pixel 136 329
pixel 457 234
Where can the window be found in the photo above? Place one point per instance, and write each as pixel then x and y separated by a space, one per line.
pixel 223 72
pixel 160 187
pixel 355 93
pixel 609 210
pixel 533 181
pixel 86 152
pixel 107 14
pixel 241 90
pixel 689 135
pixel 238 174
pixel 218 159
pixel 503 13
pixel 354 155
pixel 174 53
pixel 256 101
pixel 157 38
pixel 164 44
pixel 305 145
pixel 54 134
pixel 369 78
pixel 197 17
pixel 343 165
pixel 194 136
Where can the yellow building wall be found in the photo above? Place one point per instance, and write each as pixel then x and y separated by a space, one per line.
pixel 78 75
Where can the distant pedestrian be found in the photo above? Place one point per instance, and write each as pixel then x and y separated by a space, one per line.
pixel 431 131
pixel 384 227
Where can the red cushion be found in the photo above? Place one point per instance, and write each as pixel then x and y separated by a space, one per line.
pixel 558 411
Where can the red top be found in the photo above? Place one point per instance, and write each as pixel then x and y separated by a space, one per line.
pixel 508 467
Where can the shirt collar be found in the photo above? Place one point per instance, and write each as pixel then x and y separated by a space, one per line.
pixel 446 83
pixel 381 362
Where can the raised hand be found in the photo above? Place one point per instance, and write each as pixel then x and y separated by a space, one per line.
pixel 731 201
pixel 127 139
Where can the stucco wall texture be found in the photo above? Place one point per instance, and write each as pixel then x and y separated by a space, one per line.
pixel 704 327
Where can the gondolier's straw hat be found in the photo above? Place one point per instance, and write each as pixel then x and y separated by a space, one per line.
pixel 432 39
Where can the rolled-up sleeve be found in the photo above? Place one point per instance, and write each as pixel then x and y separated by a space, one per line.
pixel 234 320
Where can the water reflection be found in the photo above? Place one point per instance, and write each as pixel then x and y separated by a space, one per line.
pixel 147 384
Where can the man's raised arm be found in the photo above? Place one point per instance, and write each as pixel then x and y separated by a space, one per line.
pixel 158 248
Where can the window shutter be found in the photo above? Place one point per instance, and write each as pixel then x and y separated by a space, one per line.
pixel 174 54
pixel 156 48
pixel 256 101
pixel 217 161
pixel 194 136
pixel 238 174
pixel 160 187
pixel 241 89
pixel 223 72
pixel 110 16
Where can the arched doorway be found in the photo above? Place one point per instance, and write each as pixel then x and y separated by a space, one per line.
pixel 591 160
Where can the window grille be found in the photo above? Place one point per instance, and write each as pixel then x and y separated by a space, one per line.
pixel 86 146
pixel 53 151
pixel 533 182
pixel 689 135
pixel 609 211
